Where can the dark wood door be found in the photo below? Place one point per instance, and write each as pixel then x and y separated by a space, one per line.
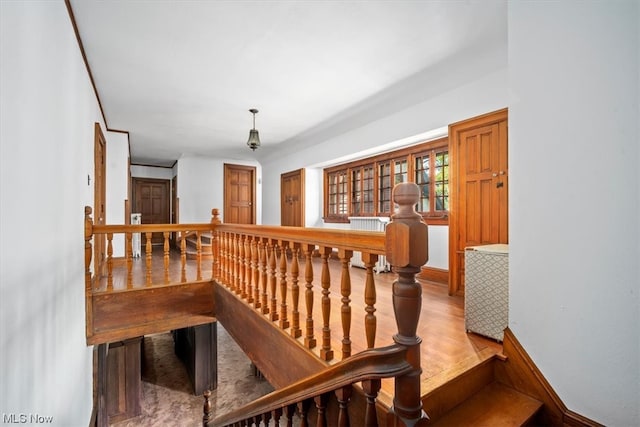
pixel 100 198
pixel 292 198
pixel 239 194
pixel 479 211
pixel 151 199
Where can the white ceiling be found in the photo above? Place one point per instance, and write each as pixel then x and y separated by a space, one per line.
pixel 180 76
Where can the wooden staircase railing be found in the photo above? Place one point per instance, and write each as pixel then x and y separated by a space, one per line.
pixel 118 305
pixel 368 367
pixel 260 266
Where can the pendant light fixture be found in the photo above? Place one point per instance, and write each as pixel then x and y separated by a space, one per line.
pixel 254 138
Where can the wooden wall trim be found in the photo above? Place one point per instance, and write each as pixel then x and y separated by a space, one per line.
pixel 520 372
pixel 84 58
pixel 436 275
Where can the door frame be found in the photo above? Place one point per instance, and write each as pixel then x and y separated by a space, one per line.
pixel 99 197
pixel 455 129
pixel 228 167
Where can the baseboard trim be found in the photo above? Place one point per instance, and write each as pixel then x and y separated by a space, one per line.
pixel 436 275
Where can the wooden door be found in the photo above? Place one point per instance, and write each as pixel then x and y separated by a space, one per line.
pixel 151 199
pixel 479 205
pixel 100 198
pixel 292 198
pixel 239 194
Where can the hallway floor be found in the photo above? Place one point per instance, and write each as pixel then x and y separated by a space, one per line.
pixel 167 397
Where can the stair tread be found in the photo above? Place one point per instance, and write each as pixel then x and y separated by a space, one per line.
pixel 494 405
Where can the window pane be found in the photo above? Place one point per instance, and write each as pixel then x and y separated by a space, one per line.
pixel 355 191
pixel 367 190
pixel 441 181
pixel 422 181
pixel 400 168
pixel 342 192
pixel 384 187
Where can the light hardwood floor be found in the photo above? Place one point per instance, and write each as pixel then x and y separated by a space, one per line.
pixel 446 348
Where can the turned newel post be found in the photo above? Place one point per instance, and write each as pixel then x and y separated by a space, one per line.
pixel 406 246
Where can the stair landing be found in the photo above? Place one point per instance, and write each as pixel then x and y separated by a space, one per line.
pixel 495 405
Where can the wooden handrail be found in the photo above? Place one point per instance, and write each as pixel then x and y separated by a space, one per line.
pixel 355 240
pixel 373 364
pixel 242 270
pixel 150 228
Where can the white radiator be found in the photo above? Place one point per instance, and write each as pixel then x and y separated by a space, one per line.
pixel 136 219
pixel 369 223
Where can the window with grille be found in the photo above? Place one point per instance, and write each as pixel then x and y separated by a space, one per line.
pixel 431 171
pixel 364 187
pixel 337 194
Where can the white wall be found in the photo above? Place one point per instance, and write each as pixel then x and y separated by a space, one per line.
pixel 201 184
pixel 117 184
pixel 574 200
pixel 470 95
pixel 47 115
pixel 153 172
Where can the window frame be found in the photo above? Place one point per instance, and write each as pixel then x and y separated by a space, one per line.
pixel 408 155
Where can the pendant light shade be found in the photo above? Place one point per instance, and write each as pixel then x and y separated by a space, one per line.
pixel 254 137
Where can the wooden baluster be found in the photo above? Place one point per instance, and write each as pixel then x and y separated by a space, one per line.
pixel 166 235
pixel 326 353
pixel 129 251
pixel 303 410
pixel 272 282
pixel 244 274
pixel 321 406
pixel 248 274
pixel 289 412
pixel 309 339
pixel 262 249
pixel 206 410
pixel 371 389
pixel 237 278
pixel 109 261
pixel 232 262
pixel 370 322
pixel 277 414
pixel 344 395
pixel 183 256
pixel 407 251
pixel 224 249
pixel 148 252
pixel 198 255
pixel 88 252
pixel 266 417
pixel 229 261
pixel 215 244
pixel 255 273
pixel 345 310
pixel 295 292
pixel 284 321
pixel 240 268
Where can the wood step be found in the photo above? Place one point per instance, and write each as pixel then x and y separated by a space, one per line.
pixel 495 405
pixel 205 239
